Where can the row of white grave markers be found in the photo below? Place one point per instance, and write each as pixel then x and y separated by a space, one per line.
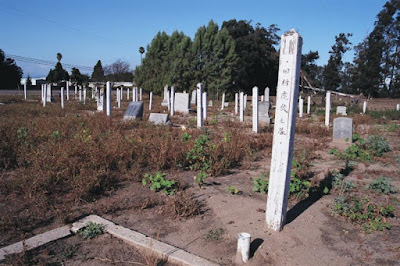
pixel 284 129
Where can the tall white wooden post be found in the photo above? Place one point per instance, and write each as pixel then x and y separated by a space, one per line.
pixel 136 94
pixel 285 122
pixel 151 100
pixel 84 95
pixel 80 94
pixel 241 109
pixel 48 96
pixel 236 103
pixel 25 91
pixel 205 105
pixel 109 98
pixel 62 97
pixel 118 98
pixel 127 94
pixel 122 93
pixel 76 91
pixel 255 109
pixel 67 85
pixel 301 106
pixel 266 94
pixel 172 100
pixel 169 100
pixel 327 107
pixel 308 104
pixel 223 101
pixel 245 102
pixel 141 95
pixel 44 95
pixel 398 107
pixel 365 107
pixel 199 105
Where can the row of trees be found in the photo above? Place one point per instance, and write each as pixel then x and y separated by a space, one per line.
pixel 117 71
pixel 10 73
pixel 374 71
pixel 235 56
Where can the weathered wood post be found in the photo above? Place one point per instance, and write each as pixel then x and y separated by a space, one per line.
pixel 199 105
pixel 205 105
pixel 67 85
pixel 62 97
pixel 172 100
pixel 255 109
pixel 327 107
pixel 365 107
pixel 285 122
pixel 25 91
pixel 300 107
pixel 241 110
pixel 151 100
pixel 109 98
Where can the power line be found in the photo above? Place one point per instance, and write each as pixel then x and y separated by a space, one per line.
pixel 45 62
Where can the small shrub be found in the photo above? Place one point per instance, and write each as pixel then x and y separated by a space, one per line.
pixel 363 212
pixel 200 178
pixel 299 188
pixel 339 183
pixel 91 230
pixel 185 137
pixel 199 157
pixel 159 183
pixel 182 205
pixel 377 145
pixel 260 185
pixel 382 185
pixel 232 190
pixel 215 235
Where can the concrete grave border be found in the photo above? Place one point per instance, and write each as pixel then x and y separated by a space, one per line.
pixel 136 239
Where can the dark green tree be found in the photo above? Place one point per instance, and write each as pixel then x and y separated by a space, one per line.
pixel 78 77
pixel 57 74
pixel 10 73
pixel 258 60
pixel 98 72
pixel 377 59
pixel 311 70
pixel 28 81
pixel 333 70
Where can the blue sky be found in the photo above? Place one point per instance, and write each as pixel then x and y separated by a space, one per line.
pixel 88 30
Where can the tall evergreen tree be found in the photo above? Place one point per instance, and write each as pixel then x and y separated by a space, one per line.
pixel 333 69
pixel 57 74
pixel 98 72
pixel 10 73
pixel 310 69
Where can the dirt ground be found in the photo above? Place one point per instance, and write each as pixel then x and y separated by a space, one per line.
pixel 312 234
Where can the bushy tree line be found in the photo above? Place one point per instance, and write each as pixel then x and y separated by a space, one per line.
pixel 236 56
pixel 374 71
pixel 10 73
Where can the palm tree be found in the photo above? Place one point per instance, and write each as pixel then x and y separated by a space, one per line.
pixel 59 56
pixel 141 51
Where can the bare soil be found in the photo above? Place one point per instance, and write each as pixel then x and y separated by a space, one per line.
pixel 312 235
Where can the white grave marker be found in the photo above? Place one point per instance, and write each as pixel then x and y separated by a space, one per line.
pixel 25 91
pixel 62 97
pixel 67 85
pixel 365 107
pixel 241 109
pixel 255 109
pixel 223 101
pixel 308 104
pixel 327 107
pixel 205 105
pixel 109 98
pixel 141 94
pixel 266 94
pixel 199 95
pixel 151 100
pixel 127 94
pixel 285 122
pixel 236 103
pixel 300 107
pixel 172 100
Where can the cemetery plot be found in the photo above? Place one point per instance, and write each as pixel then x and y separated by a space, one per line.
pixel 198 188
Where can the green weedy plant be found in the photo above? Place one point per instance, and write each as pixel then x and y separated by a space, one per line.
pixel 260 184
pixel 382 185
pixel 159 183
pixel 91 230
pixel 185 137
pixel 299 188
pixel 377 145
pixel 200 178
pixel 232 190
pixel 199 157
pixel 369 215
pixel 22 133
pixel 339 183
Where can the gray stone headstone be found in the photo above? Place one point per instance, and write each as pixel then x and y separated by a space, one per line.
pixel 263 112
pixel 134 111
pixel 165 100
pixel 210 103
pixel 341 110
pixel 182 102
pixel 159 119
pixel 226 104
pixel 194 97
pixel 343 129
